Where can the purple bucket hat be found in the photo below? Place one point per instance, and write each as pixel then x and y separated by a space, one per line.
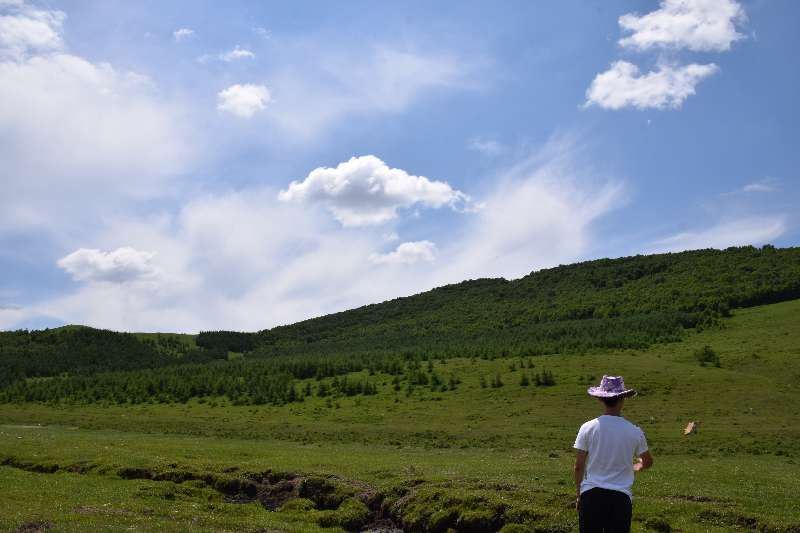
pixel 610 387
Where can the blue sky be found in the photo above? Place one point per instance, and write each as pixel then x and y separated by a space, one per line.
pixel 180 166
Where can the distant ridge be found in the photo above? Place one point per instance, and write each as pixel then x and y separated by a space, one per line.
pixel 665 292
pixel 631 302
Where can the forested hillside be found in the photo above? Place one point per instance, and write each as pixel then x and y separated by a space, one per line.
pixel 631 302
pixel 80 350
pixel 627 302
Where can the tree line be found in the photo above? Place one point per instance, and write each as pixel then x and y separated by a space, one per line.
pixel 631 302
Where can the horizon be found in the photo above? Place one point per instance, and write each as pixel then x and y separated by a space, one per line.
pixel 311 318
pixel 188 167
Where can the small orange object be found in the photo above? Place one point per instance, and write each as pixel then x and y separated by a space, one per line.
pixel 691 427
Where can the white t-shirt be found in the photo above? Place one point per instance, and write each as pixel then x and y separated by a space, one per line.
pixel 611 442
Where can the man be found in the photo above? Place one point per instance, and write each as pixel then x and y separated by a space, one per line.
pixel 604 467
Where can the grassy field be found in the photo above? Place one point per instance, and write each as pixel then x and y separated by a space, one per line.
pixel 472 459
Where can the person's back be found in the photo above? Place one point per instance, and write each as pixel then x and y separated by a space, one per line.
pixel 604 468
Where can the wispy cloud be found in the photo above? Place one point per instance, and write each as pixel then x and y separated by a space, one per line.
pixel 182 34
pixel 382 79
pixel 751 230
pixel 81 129
pixel 488 147
pixel 264 33
pixel 234 54
pixel 764 185
pixel 246 260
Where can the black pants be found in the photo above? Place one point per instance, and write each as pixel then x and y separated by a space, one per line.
pixel 604 511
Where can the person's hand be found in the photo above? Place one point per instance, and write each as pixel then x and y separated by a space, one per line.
pixel 637 465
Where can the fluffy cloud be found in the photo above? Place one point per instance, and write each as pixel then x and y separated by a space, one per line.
pixel 699 25
pixel 122 265
pixel 407 253
pixel 246 260
pixel 752 230
pixel 365 191
pixel 243 101
pixel 240 260
pixel 182 34
pixel 623 86
pixel 24 29
pixel 75 130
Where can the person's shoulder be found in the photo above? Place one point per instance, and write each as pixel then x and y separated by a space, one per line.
pixel 633 427
pixel 589 424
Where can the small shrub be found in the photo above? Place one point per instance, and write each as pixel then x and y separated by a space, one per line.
pixel 497 382
pixel 544 378
pixel 707 355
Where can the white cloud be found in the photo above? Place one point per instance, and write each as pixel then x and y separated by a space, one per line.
pixel 75 131
pixel 540 214
pixel 232 55
pixel 407 253
pixel 752 230
pixel 488 147
pixel 763 185
pixel 182 34
pixel 246 260
pixel 623 86
pixel 11 317
pixel 381 80
pixel 365 191
pixel 237 53
pixel 264 33
pixel 699 25
pixel 122 265
pixel 25 29
pixel 241 260
pixel 243 101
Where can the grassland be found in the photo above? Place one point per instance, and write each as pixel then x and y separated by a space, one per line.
pixel 472 458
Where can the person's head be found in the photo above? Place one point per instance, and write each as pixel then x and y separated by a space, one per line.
pixel 613 401
pixel 611 392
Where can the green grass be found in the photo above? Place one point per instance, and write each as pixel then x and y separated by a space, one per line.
pixel 471 454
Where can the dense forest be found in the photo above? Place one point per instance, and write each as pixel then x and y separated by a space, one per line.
pixel 613 303
pixel 78 350
pixel 630 302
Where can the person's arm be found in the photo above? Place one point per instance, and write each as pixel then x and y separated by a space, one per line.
pixel 645 462
pixel 578 471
